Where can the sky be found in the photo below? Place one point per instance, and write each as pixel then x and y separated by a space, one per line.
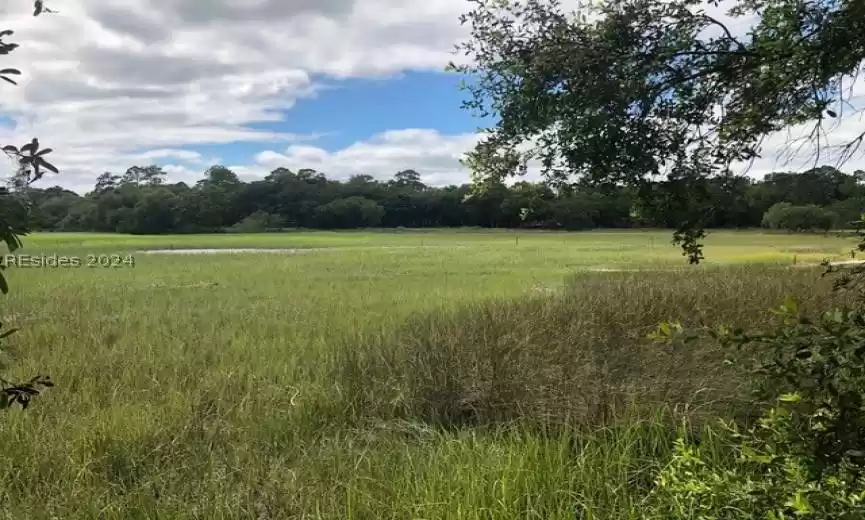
pixel 341 86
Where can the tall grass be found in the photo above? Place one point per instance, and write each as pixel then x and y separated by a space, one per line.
pixel 576 356
pixel 427 383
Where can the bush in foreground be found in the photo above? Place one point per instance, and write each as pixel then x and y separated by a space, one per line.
pixel 805 458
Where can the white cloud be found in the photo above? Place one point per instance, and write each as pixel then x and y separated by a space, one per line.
pixel 795 149
pixel 108 82
pixel 111 83
pixel 437 157
pixel 433 155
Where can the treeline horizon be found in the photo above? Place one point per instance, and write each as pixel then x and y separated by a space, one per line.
pixel 141 202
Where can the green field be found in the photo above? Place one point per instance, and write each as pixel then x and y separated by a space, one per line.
pixel 393 374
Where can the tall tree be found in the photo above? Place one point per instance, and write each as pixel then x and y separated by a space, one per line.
pixel 133 175
pixel 408 179
pixel 220 176
pixel 632 89
pixel 152 175
pixel 106 181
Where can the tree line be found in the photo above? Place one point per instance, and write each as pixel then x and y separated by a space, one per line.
pixel 142 201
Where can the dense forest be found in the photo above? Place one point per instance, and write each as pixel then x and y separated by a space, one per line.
pixel 141 201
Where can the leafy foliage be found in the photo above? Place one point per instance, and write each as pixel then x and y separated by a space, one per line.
pixel 625 91
pixel 21 393
pixel 349 213
pixel 221 201
pixel 805 458
pixel 798 218
pixel 767 480
pixel 14 213
pixel 257 222
pixel 823 365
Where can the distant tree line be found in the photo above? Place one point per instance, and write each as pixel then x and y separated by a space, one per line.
pixel 141 201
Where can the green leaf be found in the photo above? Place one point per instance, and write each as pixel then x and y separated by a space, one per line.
pixel 48 165
pixel 31 147
pixel 748 452
pixel 799 503
pixel 790 305
pixel 790 398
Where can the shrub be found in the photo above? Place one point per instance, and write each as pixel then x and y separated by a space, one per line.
pixel 257 222
pixel 784 215
pixel 806 457
pixel 847 210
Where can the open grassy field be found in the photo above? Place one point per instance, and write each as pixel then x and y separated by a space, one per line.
pixel 379 375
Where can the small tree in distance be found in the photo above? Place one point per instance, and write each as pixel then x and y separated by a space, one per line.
pixel 784 215
pixel 14 212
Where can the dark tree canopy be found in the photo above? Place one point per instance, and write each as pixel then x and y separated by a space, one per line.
pixel 633 89
pixel 221 201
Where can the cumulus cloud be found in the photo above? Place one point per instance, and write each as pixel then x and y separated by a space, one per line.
pixel 796 149
pixel 111 83
pixel 437 156
pixel 108 82
pixel 433 155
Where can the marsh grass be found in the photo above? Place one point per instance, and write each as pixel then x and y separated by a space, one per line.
pixel 575 357
pixel 401 383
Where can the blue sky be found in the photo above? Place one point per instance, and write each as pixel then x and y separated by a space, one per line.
pixel 356 109
pixel 7 123
pixel 346 111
